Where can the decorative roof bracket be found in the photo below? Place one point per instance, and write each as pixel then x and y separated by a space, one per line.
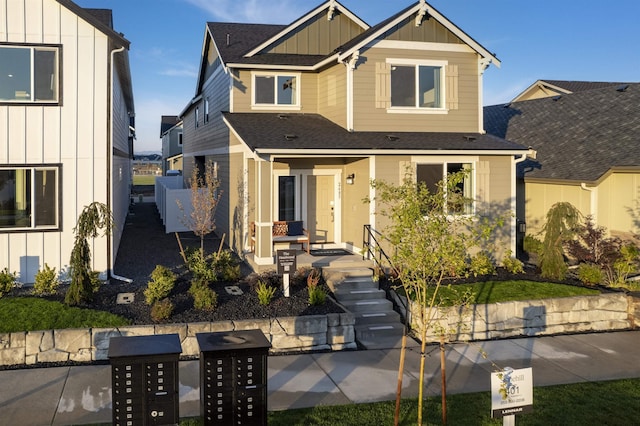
pixel 332 10
pixel 484 64
pixel 422 12
pixel 354 60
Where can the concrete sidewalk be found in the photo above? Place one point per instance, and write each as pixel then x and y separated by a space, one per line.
pixel 82 395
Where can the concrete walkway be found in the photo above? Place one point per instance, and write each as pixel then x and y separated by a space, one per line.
pixel 82 395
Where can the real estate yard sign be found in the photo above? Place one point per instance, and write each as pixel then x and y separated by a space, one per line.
pixel 511 392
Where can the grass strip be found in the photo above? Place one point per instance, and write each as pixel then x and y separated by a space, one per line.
pixel 33 313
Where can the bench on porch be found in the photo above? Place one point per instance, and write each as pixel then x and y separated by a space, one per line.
pixel 284 231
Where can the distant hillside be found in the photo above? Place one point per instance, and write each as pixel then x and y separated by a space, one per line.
pixel 152 156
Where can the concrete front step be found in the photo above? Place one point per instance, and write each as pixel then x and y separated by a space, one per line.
pixel 368 306
pixel 387 342
pixel 377 317
pixel 373 331
pixel 337 274
pixel 344 294
pixel 357 283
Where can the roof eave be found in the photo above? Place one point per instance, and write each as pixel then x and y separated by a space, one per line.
pixel 283 152
pixel 315 67
pixel 434 14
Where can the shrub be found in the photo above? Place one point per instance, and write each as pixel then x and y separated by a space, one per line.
pixel 317 296
pixel 46 281
pixel 532 245
pixel 204 297
pixel 161 284
pixel 591 245
pixel 266 293
pixel 563 219
pixel 7 281
pixel 590 274
pixel 225 266
pixel 198 265
pixel 626 263
pixel 511 264
pixel 481 264
pixel 216 267
pixel 161 310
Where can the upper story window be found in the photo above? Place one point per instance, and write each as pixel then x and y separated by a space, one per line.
pixel 460 203
pixel 206 110
pixel 277 91
pixel 180 139
pixel 416 86
pixel 197 117
pixel 29 197
pixel 29 74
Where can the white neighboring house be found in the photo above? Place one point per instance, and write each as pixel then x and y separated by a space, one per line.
pixel 66 131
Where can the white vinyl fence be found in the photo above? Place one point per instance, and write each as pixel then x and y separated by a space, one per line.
pixel 169 190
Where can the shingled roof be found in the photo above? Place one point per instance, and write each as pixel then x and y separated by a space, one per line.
pixel 578 137
pixel 289 133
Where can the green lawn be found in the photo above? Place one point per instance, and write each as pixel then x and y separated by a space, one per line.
pixel 33 313
pixel 602 403
pixel 505 291
pixel 144 180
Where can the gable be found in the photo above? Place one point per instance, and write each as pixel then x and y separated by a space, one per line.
pixel 430 30
pixel 317 36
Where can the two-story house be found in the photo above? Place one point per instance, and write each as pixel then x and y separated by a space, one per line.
pixel 299 118
pixel 171 135
pixel 66 114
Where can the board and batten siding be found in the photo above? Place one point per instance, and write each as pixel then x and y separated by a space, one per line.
pixel 619 202
pixel 73 134
pixel 539 197
pixel 367 117
pixel 319 36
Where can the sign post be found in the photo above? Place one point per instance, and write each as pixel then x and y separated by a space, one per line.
pixel 286 260
pixel 511 394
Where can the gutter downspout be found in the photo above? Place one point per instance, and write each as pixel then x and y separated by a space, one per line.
pixel 592 202
pixel 111 260
pixel 514 219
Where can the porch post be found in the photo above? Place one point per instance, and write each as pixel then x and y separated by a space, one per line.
pixel 264 221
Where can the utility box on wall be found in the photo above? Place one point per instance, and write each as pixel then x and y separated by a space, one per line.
pixel 233 377
pixel 144 379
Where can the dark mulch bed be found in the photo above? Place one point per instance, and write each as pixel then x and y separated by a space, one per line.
pixel 230 307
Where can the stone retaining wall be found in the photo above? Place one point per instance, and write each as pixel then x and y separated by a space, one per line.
pixel 306 333
pixel 612 311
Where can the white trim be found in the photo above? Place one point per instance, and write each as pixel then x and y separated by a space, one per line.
pixel 276 106
pixel 306 18
pixel 444 161
pixel 372 192
pixel 426 62
pixel 332 153
pixel 416 110
pixel 435 15
pixel 420 45
pixel 284 67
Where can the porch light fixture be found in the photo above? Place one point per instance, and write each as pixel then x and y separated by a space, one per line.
pixel 351 178
pixel 290 137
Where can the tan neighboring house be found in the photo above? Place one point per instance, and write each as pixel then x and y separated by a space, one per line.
pixel 299 118
pixel 66 114
pixel 550 88
pixel 588 154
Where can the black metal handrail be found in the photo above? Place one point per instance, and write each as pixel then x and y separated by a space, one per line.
pixel 372 250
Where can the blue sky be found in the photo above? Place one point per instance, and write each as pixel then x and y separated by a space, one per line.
pixel 543 39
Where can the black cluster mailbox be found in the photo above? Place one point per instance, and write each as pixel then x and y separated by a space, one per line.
pixel 144 379
pixel 233 377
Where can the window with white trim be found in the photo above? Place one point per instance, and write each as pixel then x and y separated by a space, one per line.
pixel 29 74
pixel 416 86
pixel 432 174
pixel 197 117
pixel 276 90
pixel 206 110
pixel 29 197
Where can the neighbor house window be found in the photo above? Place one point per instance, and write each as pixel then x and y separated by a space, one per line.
pixel 180 139
pixel 417 85
pixel 197 117
pixel 206 110
pixel 29 74
pixel 29 197
pixel 276 90
pixel 432 174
